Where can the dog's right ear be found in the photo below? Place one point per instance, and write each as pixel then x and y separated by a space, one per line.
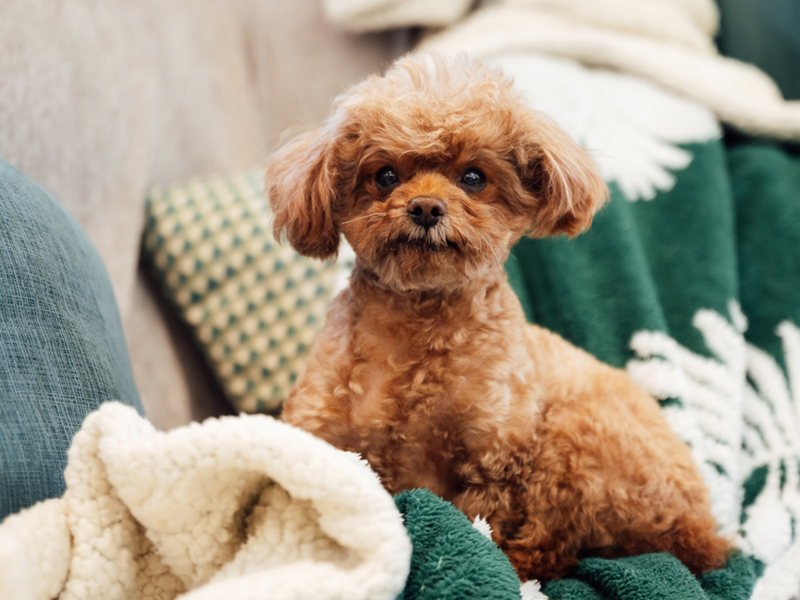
pixel 302 184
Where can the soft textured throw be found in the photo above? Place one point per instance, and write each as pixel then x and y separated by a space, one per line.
pixel 655 576
pixel 451 559
pixel 235 508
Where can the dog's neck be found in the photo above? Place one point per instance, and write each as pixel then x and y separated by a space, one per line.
pixel 480 298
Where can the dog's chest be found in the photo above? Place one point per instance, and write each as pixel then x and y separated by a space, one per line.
pixel 424 404
pixel 442 374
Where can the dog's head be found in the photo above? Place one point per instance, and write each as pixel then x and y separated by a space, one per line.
pixel 432 172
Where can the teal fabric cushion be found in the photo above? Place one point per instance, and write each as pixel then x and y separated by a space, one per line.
pixel 62 350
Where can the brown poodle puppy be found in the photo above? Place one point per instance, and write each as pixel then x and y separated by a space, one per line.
pixel 426 366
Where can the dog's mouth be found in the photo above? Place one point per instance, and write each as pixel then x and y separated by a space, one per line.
pixel 423 244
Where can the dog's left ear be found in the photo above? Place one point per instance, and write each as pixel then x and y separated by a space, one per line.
pixel 565 185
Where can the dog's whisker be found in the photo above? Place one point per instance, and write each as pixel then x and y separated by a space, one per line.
pixel 365 217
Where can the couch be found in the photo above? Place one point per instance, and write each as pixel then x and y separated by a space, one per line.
pixel 102 100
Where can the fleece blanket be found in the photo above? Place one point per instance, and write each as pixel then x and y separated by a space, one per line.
pixel 238 508
pixel 235 508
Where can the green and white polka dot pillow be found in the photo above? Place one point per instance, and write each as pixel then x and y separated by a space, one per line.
pixel 254 305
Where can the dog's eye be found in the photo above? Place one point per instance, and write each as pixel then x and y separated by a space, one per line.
pixel 386 178
pixel 473 180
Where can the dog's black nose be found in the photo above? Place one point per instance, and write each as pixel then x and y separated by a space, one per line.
pixel 426 211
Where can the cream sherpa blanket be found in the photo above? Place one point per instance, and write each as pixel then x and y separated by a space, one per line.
pixel 235 508
pixel 668 42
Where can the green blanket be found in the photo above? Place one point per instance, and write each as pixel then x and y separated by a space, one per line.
pixel 697 293
pixel 451 560
pixel 654 577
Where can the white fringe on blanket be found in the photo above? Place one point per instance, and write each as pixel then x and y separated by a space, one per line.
pixel 738 394
pixel 152 515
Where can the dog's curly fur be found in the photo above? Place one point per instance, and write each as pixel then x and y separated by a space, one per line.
pixel 426 365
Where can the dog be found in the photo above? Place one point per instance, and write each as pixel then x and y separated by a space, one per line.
pixel 426 365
